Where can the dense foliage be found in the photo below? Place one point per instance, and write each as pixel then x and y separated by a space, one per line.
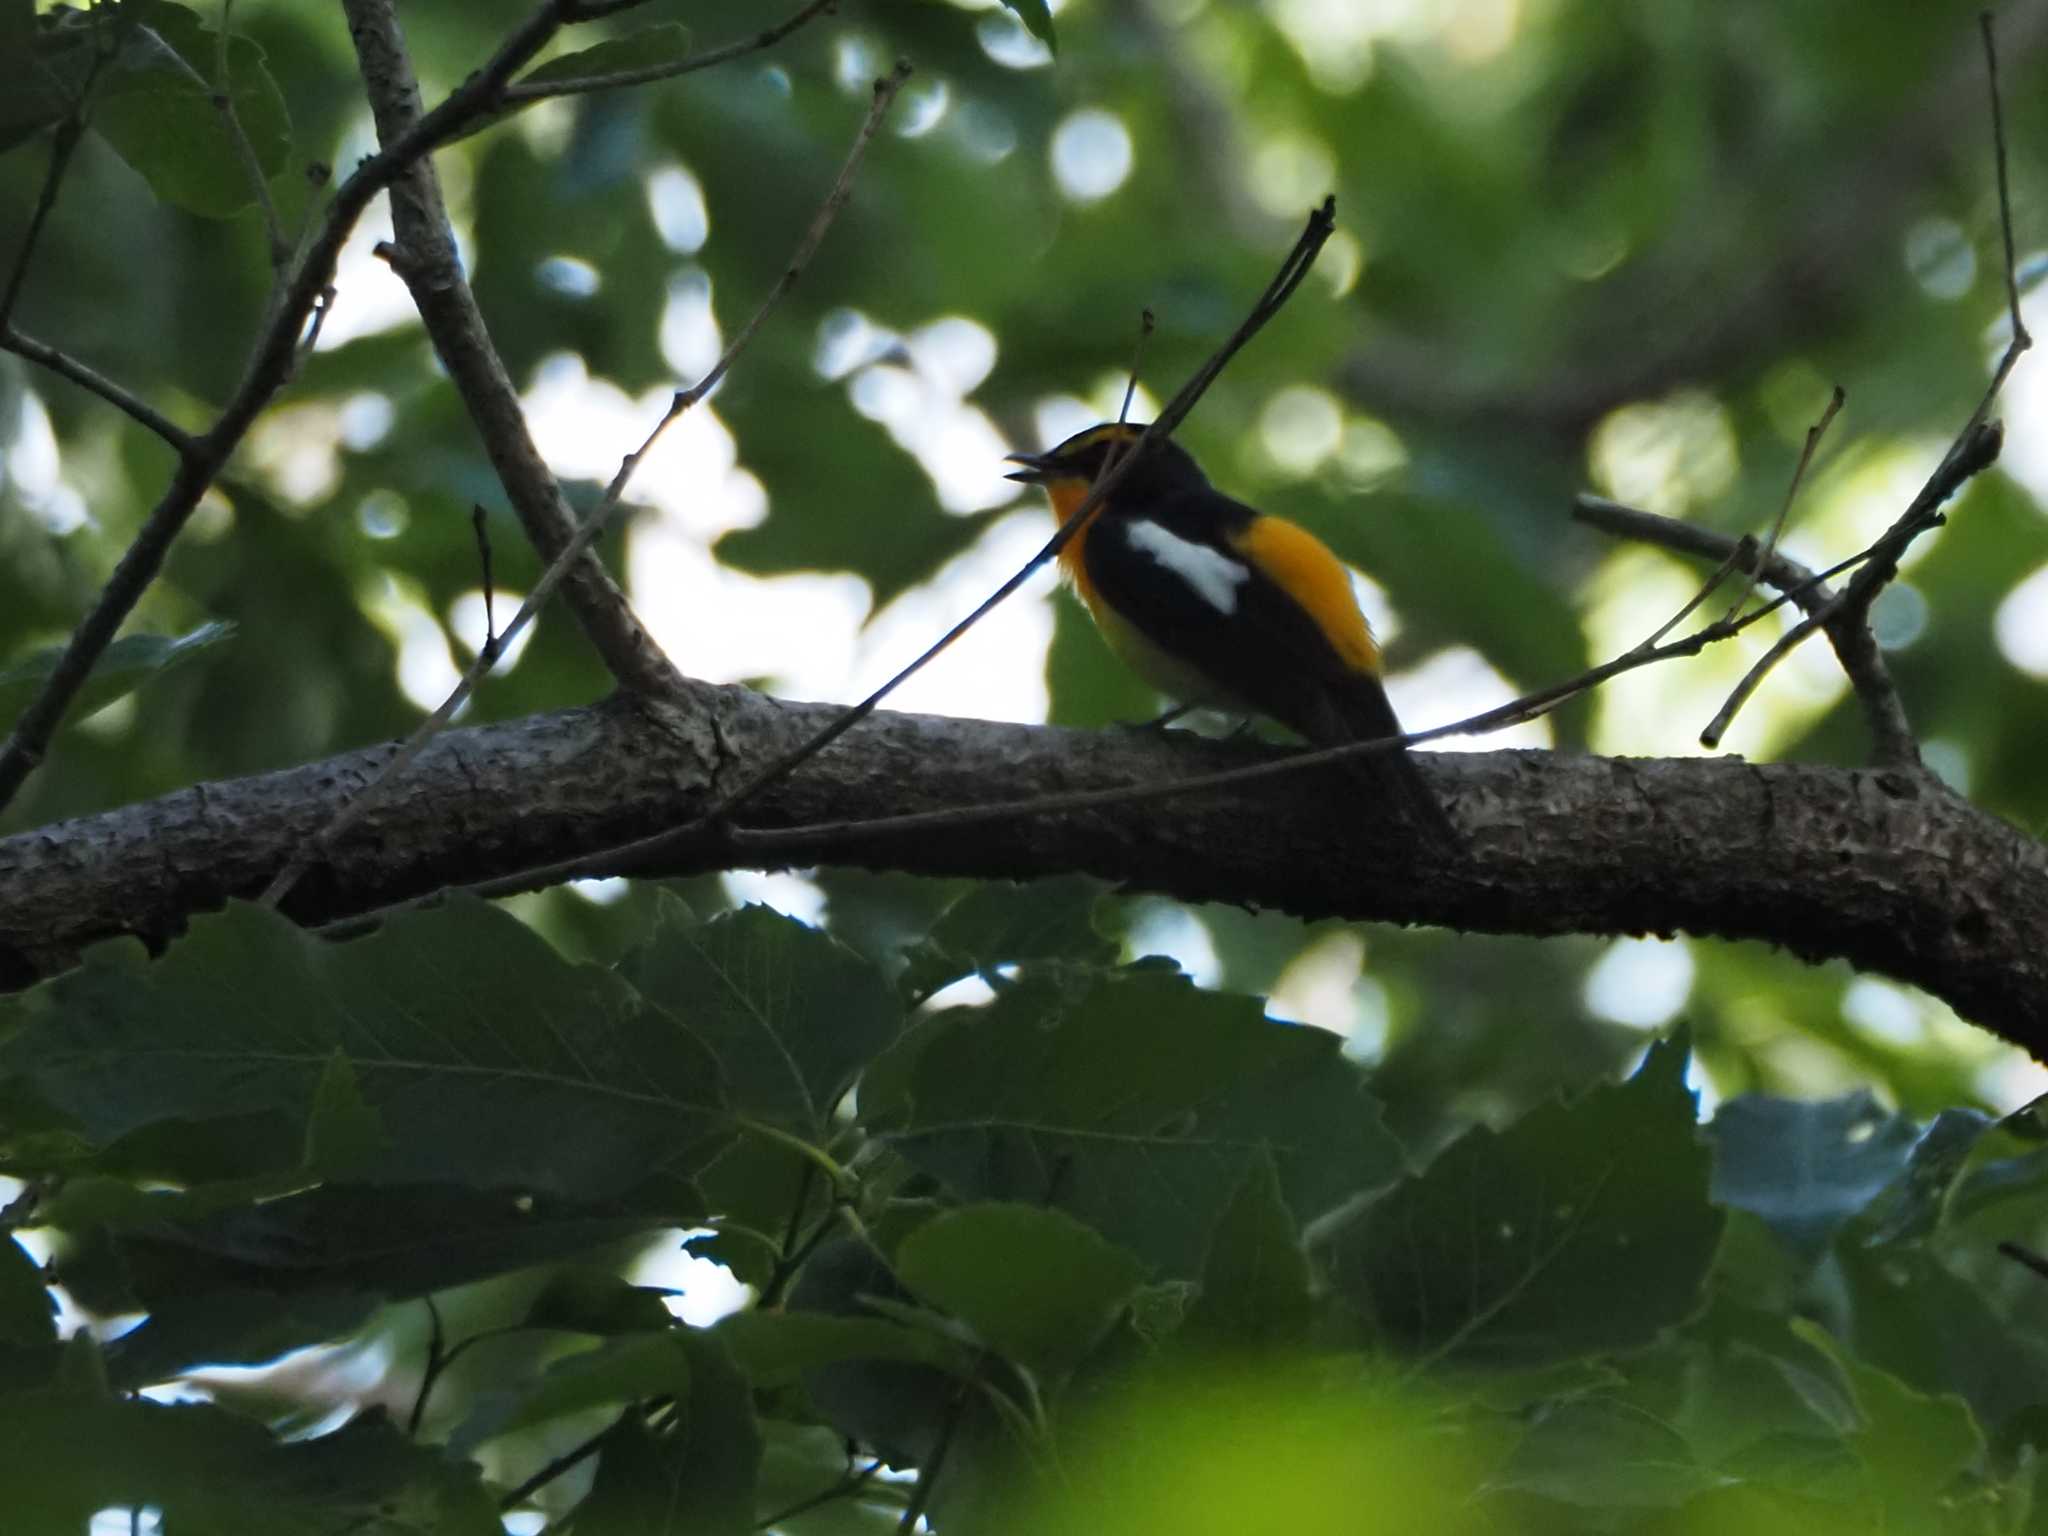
pixel 1095 1245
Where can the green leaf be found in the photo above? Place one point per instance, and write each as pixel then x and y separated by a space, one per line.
pixel 44 64
pixel 1137 1107
pixel 775 1348
pixel 1582 1227
pixel 243 1284
pixel 1606 1454
pixel 790 1013
pixel 344 1136
pixel 697 1477
pixel 1806 1166
pixel 466 1032
pixel 629 1369
pixel 155 107
pixel 27 1309
pixel 1003 923
pixel 123 667
pixel 1256 1282
pixel 205 1469
pixel 1037 1286
pixel 1037 15
pixel 646 48
pixel 1914 1447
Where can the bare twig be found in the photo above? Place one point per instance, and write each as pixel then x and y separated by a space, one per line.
pixel 1877 564
pixel 886 90
pixel 2025 1257
pixel 492 645
pixel 1145 324
pixel 521 93
pixel 68 367
pixel 1814 434
pixel 1855 647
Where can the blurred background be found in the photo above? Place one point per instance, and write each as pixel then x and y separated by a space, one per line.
pixel 1580 246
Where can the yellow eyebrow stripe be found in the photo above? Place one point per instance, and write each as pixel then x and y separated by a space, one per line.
pixel 1303 567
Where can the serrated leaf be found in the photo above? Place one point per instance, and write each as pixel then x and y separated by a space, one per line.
pixel 155 106
pixel 789 1012
pixel 695 1479
pixel 1255 1282
pixel 1806 1167
pixel 1037 1286
pixel 28 1312
pixel 649 47
pixel 1913 1446
pixel 44 65
pixel 1582 1227
pixel 123 667
pixel 1137 1107
pixel 1002 923
pixel 1606 1454
pixel 464 1029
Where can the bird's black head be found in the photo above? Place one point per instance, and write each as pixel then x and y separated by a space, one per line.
pixel 1086 456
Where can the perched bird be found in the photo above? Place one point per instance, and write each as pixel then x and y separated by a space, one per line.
pixel 1216 604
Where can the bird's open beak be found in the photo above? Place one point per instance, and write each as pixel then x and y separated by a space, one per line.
pixel 1036 471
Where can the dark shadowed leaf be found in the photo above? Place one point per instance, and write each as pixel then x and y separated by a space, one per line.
pixel 774 1348
pixel 789 1013
pixel 693 1478
pixel 469 1038
pixel 1255 1283
pixel 1000 923
pixel 27 1309
pixel 208 1470
pixel 1582 1227
pixel 1137 1107
pixel 125 666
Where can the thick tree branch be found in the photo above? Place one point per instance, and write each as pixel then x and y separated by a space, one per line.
pixel 1882 868
pixel 426 258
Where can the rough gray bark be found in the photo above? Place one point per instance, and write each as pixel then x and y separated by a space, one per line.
pixel 1881 868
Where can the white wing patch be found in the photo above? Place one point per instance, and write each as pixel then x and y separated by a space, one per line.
pixel 1214 575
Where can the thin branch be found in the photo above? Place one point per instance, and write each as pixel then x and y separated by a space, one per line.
pixel 1966 458
pixel 1855 647
pixel 221 91
pixel 65 140
pixel 65 366
pixel 850 1483
pixel 886 90
pixel 437 1362
pixel 575 1456
pixel 1814 434
pixel 522 92
pixel 2012 289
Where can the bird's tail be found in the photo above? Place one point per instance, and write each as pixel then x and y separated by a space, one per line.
pixel 1360 712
